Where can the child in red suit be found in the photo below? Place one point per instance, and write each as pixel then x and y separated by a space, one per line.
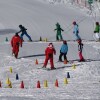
pixel 49 51
pixel 80 48
pixel 16 41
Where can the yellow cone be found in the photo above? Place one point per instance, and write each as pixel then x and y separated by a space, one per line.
pixel 10 69
pixel 7 81
pixel 65 81
pixel 45 83
pixel 46 40
pixel 10 84
pixel 74 66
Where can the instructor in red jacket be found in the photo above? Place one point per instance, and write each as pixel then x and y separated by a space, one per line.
pixel 49 51
pixel 16 41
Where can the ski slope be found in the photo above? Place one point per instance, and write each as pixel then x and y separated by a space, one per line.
pixel 40 19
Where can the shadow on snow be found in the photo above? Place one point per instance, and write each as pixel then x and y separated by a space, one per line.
pixel 31 56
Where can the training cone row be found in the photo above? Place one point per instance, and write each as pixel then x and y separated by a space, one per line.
pixel 46 40
pixel 45 83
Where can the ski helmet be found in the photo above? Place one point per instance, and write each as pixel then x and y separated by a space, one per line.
pixel 74 22
pixel 64 42
pixel 20 25
pixel 97 23
pixel 50 45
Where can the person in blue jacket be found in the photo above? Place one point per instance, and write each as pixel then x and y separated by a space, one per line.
pixel 76 31
pixel 63 50
pixel 24 32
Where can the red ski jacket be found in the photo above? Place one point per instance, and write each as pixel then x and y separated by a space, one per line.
pixel 50 50
pixel 16 40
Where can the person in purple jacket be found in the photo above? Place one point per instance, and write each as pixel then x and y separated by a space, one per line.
pixel 63 51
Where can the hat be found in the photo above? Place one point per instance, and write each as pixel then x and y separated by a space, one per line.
pixel 50 45
pixel 16 34
pixel 74 22
pixel 79 41
pixel 20 25
pixel 64 41
pixel 97 23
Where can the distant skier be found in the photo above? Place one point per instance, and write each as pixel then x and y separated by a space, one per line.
pixel 58 35
pixel 80 48
pixel 16 41
pixel 63 51
pixel 76 31
pixel 24 32
pixel 97 31
pixel 49 51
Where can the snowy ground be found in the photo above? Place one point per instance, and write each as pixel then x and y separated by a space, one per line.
pixel 40 19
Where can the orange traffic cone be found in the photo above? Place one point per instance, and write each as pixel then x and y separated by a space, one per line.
pixel 36 62
pixel 65 61
pixel 22 84
pixel 38 84
pixel 56 83
pixel 0 84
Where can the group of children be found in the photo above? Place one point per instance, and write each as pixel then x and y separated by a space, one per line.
pixel 17 40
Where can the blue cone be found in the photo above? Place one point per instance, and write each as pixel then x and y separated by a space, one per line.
pixel 68 75
pixel 17 78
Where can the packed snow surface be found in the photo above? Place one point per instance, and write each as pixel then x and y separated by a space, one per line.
pixel 40 18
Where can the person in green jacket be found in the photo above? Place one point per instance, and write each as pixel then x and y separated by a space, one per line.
pixel 97 31
pixel 97 28
pixel 58 35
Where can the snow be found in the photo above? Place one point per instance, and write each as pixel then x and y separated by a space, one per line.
pixel 40 19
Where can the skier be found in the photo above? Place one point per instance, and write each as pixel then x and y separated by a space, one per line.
pixel 80 48
pixel 63 51
pixel 58 35
pixel 16 41
pixel 49 51
pixel 96 31
pixel 76 31
pixel 97 27
pixel 24 32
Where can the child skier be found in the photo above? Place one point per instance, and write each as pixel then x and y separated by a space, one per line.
pixel 49 51
pixel 97 27
pixel 63 51
pixel 96 31
pixel 23 30
pixel 80 48
pixel 76 31
pixel 16 41
pixel 58 35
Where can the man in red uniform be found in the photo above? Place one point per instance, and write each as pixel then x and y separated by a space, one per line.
pixel 49 51
pixel 16 41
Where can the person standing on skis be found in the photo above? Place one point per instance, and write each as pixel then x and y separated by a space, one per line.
pixel 49 51
pixel 97 31
pixel 16 41
pixel 80 48
pixel 63 51
pixel 24 32
pixel 97 27
pixel 76 31
pixel 58 35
